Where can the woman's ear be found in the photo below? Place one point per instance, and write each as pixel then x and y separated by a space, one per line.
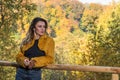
pixel 33 29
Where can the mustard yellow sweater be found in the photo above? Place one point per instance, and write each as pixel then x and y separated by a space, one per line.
pixel 46 44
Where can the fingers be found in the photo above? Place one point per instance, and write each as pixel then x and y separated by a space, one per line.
pixel 29 63
pixel 34 32
pixel 32 64
pixel 26 62
pixel 36 35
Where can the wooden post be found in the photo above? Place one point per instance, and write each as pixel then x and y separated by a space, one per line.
pixel 115 77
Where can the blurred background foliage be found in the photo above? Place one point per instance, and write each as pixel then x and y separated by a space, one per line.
pixel 84 34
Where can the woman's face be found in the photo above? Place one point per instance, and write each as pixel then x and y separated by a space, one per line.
pixel 40 28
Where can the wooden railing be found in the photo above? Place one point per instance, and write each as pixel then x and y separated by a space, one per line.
pixel 114 70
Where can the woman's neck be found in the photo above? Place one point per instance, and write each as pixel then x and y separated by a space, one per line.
pixel 37 37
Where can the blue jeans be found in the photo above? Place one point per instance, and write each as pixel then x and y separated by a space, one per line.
pixel 32 74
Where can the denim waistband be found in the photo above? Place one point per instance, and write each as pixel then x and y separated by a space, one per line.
pixel 29 69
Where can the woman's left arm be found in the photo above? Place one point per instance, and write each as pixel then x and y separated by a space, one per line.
pixel 48 58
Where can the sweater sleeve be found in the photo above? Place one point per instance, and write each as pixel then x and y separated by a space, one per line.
pixel 20 59
pixel 48 58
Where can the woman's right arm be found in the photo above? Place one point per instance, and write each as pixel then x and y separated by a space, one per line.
pixel 20 58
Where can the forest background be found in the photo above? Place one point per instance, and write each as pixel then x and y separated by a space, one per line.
pixel 84 34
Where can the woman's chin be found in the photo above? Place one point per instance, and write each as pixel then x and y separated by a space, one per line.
pixel 41 34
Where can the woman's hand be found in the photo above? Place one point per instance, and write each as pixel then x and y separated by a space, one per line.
pixel 32 64
pixel 29 63
pixel 36 35
pixel 26 62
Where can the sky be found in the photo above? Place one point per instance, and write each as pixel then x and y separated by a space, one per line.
pixel 104 2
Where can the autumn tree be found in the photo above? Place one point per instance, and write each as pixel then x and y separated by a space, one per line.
pixel 104 45
pixel 90 17
pixel 10 13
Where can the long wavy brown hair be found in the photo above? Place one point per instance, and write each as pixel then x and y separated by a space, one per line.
pixel 30 32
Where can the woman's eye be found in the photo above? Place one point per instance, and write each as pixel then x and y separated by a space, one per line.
pixel 41 26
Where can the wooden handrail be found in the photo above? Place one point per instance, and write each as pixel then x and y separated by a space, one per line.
pixel 115 70
pixel 7 63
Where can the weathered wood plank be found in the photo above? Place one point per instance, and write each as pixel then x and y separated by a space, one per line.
pixel 7 63
pixel 71 67
pixel 84 68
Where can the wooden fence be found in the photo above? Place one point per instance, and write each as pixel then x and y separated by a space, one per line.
pixel 114 70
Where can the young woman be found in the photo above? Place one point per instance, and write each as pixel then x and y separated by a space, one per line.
pixel 36 51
